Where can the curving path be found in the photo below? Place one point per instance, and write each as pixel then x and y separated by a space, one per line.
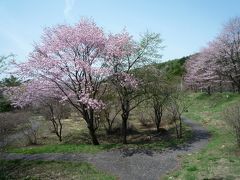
pixel 131 164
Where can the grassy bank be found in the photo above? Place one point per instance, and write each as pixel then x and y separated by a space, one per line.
pixel 221 158
pixel 20 169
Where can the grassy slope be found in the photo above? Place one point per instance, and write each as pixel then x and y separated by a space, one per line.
pixel 220 159
pixel 20 169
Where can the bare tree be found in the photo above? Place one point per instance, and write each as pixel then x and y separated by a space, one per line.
pixel 111 110
pixel 156 91
pixel 178 104
pixel 108 117
pixel 55 112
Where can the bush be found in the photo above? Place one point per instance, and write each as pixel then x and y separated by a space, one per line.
pixel 232 117
pixel 5 105
pixel 9 123
pixel 31 131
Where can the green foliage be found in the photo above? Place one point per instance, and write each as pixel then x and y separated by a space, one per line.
pixel 151 44
pixel 5 105
pixel 10 82
pixel 173 68
pixel 3 62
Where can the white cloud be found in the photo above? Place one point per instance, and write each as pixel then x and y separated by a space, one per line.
pixel 69 4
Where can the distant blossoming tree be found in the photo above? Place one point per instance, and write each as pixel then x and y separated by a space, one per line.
pixel 220 61
pixel 201 71
pixel 227 52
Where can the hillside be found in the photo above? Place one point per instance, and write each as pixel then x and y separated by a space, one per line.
pixel 173 68
pixel 220 159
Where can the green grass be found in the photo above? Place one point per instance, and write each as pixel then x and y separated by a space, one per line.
pixel 220 159
pixel 25 170
pixel 62 148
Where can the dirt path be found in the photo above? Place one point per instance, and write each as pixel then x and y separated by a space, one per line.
pixel 131 164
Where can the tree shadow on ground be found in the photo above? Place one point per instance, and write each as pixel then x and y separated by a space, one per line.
pixel 144 142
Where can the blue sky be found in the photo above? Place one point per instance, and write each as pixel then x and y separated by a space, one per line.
pixel 185 25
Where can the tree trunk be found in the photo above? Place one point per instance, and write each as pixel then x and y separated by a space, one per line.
pixel 60 133
pixel 109 126
pixel 124 128
pixel 88 116
pixel 57 125
pixel 158 116
pixel 176 127
pixel 209 90
pixel 60 130
pixel 221 87
pixel 233 87
pixel 109 130
pixel 180 127
pixel 93 136
pixel 125 114
pixel 158 127
pixel 158 120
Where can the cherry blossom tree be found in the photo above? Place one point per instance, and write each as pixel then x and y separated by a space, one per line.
pixel 71 58
pixel 219 62
pixel 201 71
pixel 78 59
pixel 227 52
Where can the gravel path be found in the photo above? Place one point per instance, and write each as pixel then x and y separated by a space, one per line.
pixel 131 164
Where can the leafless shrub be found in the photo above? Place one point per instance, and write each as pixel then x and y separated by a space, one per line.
pixel 232 117
pixel 11 122
pixel 177 105
pixel 31 131
pixel 145 120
